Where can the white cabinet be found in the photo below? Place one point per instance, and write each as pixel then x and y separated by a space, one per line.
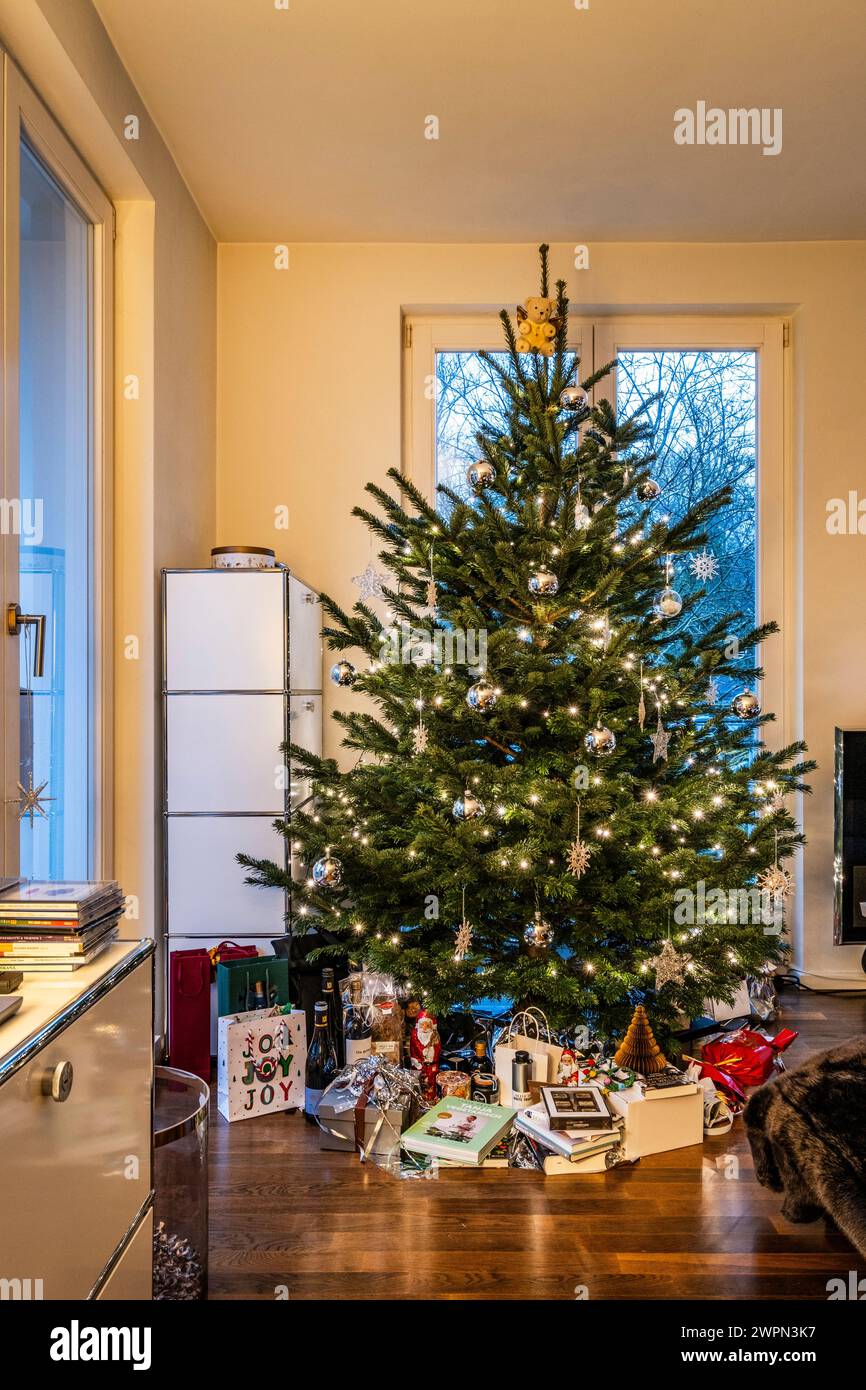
pixel 75 1159
pixel 242 673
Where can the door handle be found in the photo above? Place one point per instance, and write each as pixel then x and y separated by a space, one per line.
pixel 57 1083
pixel 15 620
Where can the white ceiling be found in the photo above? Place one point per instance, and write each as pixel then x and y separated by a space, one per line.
pixel 307 124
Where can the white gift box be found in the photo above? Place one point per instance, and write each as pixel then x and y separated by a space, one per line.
pixel 262 1056
pixel 654 1126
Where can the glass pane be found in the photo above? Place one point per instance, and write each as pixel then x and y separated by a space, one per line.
pixel 469 396
pixel 55 548
pixel 704 426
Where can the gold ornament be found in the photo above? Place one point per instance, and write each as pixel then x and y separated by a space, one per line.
pixel 419 738
pixel 464 933
pixel 660 740
pixel 536 326
pixel 641 704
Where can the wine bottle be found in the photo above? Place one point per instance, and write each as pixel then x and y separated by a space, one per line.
pixel 480 1059
pixel 321 1065
pixel 260 1000
pixel 357 1024
pixel 329 995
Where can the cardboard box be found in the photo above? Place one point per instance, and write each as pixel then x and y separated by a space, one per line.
pixel 658 1125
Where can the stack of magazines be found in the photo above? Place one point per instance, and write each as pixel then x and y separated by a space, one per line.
pixel 568 1152
pixel 57 926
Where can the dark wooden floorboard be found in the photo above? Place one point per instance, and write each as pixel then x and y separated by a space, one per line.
pixel 676 1225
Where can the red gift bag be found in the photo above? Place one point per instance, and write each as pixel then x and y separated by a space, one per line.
pixel 189 1012
pixel 229 950
pixel 748 1057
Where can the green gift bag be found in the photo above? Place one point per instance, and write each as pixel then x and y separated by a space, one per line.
pixel 236 983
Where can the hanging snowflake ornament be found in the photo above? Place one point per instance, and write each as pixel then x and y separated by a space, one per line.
pixel 463 941
pixel 711 694
pixel 578 854
pixel 578 858
pixel 660 740
pixel 670 965
pixel 777 882
pixel 419 738
pixel 31 802
pixel 704 566
pixel 370 582
pixel 464 933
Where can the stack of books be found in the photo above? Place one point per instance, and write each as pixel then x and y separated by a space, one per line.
pixel 568 1151
pixel 57 926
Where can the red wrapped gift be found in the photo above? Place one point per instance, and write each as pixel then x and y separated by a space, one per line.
pixel 748 1057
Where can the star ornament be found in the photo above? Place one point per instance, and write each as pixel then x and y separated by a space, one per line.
pixel 463 941
pixel 777 882
pixel 370 582
pixel 577 858
pixel 31 800
pixel 670 966
pixel 704 566
pixel 660 740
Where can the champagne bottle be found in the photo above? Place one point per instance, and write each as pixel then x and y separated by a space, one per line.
pixel 321 1065
pixel 357 1024
pixel 329 995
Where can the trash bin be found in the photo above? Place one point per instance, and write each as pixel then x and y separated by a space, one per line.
pixel 180 1123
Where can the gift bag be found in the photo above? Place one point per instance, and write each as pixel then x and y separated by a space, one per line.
pixel 261 1063
pixel 529 1032
pixel 189 1012
pixel 236 983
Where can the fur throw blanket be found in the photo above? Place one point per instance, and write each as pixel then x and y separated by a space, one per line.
pixel 807 1131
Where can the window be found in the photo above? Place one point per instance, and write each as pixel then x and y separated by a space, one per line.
pixel 58 235
pixel 718 422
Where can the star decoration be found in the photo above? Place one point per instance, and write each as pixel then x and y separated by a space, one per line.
pixel 670 966
pixel 660 740
pixel 711 694
pixel 777 882
pixel 577 858
pixel 31 800
pixel 464 940
pixel 704 566
pixel 419 739
pixel 371 583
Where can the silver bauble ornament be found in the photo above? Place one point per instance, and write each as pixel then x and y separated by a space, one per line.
pixel 667 603
pixel 601 740
pixel 343 673
pixel 574 398
pixel 481 696
pixel 481 474
pixel 537 935
pixel 543 583
pixel 648 490
pixel 582 516
pixel 468 807
pixel 746 705
pixel 327 872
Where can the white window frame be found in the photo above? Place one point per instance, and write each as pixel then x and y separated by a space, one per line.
pixel 597 341
pixel 24 114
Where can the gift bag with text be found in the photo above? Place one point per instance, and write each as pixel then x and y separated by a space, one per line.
pixel 261 1063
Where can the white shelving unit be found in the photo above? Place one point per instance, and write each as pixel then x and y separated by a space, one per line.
pixel 242 673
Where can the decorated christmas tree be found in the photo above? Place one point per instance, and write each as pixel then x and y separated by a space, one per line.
pixel 544 771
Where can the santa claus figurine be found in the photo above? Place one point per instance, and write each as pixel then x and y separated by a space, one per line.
pixel 568 1074
pixel 424 1050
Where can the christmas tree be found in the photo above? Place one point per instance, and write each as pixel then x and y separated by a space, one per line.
pixel 544 765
